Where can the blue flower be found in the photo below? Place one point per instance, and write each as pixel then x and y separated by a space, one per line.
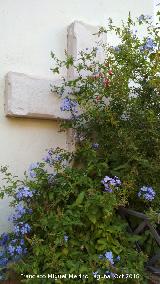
pixel 24 192
pixel 14 241
pixel 95 273
pixel 147 193
pixel 18 250
pixel 149 45
pixel 25 229
pixel 22 242
pixel 22 228
pixel 109 183
pixel 16 229
pixel 100 256
pixel 109 256
pixel 57 158
pixel 25 251
pixel 51 160
pixel 11 250
pixel 116 48
pixel 68 105
pixel 3 239
pixel 141 18
pixel 66 238
pixel 95 145
pixel 32 168
pixel 20 210
pixel 48 158
pixel 117 180
pixel 144 17
pixel 108 188
pixel 148 197
pixel 3 261
pixel 118 258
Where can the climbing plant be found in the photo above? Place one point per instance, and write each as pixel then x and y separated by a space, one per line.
pixel 65 221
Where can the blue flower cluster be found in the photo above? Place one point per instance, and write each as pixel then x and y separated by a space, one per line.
pixel 12 245
pixel 16 248
pixel 20 210
pixel 3 259
pixel 22 228
pixel 32 169
pixel 108 255
pixel 142 17
pixel 11 248
pixel 4 239
pixel 147 193
pixel 69 105
pixel 110 183
pixel 50 160
pixel 24 192
pixel 149 45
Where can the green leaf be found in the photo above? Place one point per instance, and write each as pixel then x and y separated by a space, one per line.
pixel 50 195
pixel 102 241
pixel 65 251
pixel 80 198
pixel 92 218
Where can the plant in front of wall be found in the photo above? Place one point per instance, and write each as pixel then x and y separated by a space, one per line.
pixel 66 208
pixel 65 223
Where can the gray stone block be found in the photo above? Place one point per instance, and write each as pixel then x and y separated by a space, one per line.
pixel 26 96
pixel 81 36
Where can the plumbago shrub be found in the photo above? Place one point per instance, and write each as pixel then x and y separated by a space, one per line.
pixel 65 221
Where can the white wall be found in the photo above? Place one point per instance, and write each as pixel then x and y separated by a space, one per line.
pixel 29 30
pixel 156 9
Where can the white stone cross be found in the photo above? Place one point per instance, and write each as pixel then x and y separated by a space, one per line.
pixel 26 96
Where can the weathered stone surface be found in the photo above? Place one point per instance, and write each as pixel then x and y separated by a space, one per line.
pixel 70 140
pixel 81 36
pixel 26 96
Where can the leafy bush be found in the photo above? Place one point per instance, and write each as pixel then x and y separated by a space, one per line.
pixel 66 219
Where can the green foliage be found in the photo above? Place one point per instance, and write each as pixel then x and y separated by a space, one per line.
pixel 74 216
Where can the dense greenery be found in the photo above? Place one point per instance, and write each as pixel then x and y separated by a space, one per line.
pixel 66 219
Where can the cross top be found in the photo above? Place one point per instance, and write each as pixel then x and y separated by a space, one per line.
pixel 31 97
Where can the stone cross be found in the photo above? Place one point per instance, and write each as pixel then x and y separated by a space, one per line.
pixel 26 96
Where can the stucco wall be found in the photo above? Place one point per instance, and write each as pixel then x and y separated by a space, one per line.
pixel 29 30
